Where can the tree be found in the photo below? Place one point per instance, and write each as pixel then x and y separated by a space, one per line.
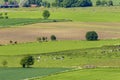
pixel 85 3
pixel 46 14
pixel 53 37
pixel 5 0
pixel 98 3
pixel 110 3
pixel 91 36
pixel 103 3
pixel 46 4
pixel 27 61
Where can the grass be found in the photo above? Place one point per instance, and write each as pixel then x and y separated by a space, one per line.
pixel 91 14
pixel 52 46
pixel 21 73
pixel 71 58
pixel 87 74
pixel 24 21
pixel 22 16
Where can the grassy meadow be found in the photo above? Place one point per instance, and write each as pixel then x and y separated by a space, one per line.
pixel 25 16
pixel 52 46
pixel 93 14
pixel 87 74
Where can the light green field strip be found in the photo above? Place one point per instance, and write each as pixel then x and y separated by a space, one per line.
pixel 55 46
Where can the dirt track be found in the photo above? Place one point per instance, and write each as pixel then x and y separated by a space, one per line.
pixel 63 31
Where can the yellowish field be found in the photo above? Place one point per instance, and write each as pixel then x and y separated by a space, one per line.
pixel 63 31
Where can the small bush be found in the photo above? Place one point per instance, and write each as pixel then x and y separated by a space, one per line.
pixel 43 39
pixel 91 36
pixel 11 41
pixel 4 63
pixel 15 42
pixel 6 13
pixel 46 14
pixel 6 17
pixel 53 37
pixel 39 39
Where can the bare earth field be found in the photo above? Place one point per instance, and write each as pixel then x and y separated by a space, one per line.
pixel 62 30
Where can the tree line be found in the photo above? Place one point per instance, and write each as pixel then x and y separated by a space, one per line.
pixel 64 3
pixel 69 3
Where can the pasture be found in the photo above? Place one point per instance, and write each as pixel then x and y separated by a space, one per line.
pixel 4 23
pixel 52 46
pixel 99 57
pixel 91 14
pixel 22 74
pixel 87 74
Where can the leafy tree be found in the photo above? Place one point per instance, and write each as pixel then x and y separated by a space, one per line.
pixel 91 36
pixel 5 0
pixel 27 61
pixel 85 3
pixel 53 37
pixel 98 3
pixel 46 14
pixel 110 3
pixel 46 4
pixel 103 3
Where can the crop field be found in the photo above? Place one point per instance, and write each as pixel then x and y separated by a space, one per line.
pixel 21 74
pixel 87 74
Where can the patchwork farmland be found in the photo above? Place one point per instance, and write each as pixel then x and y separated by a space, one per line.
pixel 71 55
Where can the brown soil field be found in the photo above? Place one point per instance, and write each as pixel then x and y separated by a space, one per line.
pixel 62 30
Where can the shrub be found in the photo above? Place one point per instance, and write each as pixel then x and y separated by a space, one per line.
pixel 39 39
pixel 4 63
pixel 6 17
pixel 27 61
pixel 15 42
pixel 46 14
pixel 11 41
pixel 53 37
pixel 43 38
pixel 91 36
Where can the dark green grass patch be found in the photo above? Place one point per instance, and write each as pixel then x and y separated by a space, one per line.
pixel 25 21
pixel 21 73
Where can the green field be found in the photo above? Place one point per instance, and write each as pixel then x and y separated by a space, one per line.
pixel 87 74
pixel 55 46
pixel 100 56
pixel 21 74
pixel 25 21
pixel 23 16
pixel 93 14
